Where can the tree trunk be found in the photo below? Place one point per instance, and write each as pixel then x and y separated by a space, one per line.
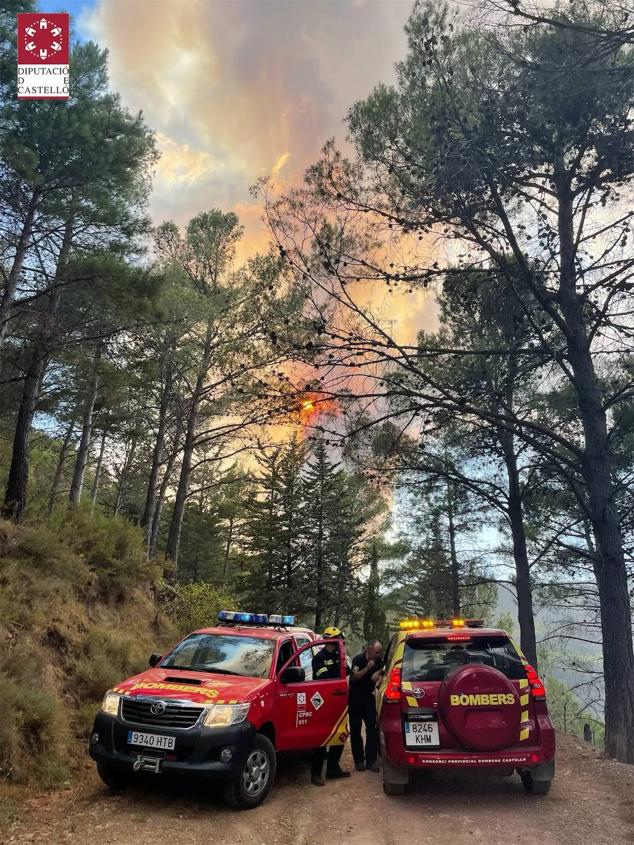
pixel 610 569
pixel 319 556
pixel 160 500
pixel 523 586
pixel 173 540
pixel 39 357
pixel 225 569
pixel 129 458
pixel 86 432
pixel 59 471
pixel 11 286
pixel 95 484
pixel 159 445
pixel 455 567
pixel 16 491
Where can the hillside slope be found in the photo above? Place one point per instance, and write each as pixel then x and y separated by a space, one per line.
pixel 77 612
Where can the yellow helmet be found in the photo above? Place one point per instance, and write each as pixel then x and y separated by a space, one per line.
pixel 333 632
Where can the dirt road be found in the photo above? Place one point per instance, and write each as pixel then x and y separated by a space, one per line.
pixel 591 803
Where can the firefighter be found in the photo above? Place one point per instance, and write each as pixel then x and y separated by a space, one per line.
pixel 326 665
pixel 366 670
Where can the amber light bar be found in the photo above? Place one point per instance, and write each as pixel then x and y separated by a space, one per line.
pixel 420 624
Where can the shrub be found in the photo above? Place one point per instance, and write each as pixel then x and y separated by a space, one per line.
pixel 193 606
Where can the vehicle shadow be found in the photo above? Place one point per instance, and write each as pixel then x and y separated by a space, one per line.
pixel 190 794
pixel 468 786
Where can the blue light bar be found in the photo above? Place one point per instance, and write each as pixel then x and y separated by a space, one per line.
pixel 226 616
pixel 238 616
pixel 278 619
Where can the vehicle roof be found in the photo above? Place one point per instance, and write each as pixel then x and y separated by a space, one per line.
pixel 435 633
pixel 261 631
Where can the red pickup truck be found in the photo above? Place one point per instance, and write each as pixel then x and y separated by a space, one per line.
pixel 220 705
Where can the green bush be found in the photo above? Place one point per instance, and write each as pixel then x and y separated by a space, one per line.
pixel 112 548
pixel 193 606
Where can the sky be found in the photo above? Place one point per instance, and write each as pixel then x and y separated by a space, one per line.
pixel 238 89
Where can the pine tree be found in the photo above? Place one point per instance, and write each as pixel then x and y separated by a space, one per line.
pixel 374 618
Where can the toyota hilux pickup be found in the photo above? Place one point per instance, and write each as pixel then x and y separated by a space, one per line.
pixel 220 705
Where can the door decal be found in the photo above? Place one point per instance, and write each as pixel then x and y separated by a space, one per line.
pixel 316 700
pixel 340 733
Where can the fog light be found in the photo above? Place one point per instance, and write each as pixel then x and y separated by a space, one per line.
pixel 226 755
pixel 94 739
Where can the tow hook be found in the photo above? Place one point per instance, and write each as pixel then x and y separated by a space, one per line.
pixel 147 764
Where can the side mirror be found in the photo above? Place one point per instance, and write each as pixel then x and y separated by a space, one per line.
pixel 154 659
pixel 293 675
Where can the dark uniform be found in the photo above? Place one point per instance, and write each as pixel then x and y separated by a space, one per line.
pixel 326 665
pixel 362 708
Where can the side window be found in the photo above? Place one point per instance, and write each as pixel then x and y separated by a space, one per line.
pixel 328 659
pixel 306 657
pixel 286 650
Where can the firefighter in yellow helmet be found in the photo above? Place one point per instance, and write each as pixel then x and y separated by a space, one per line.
pixel 326 665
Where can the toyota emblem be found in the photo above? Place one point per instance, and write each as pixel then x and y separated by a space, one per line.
pixel 418 692
pixel 157 708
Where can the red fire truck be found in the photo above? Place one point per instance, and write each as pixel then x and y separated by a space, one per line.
pixel 220 705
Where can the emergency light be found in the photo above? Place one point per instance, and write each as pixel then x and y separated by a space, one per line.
pixel 238 616
pixel 277 619
pixel 418 624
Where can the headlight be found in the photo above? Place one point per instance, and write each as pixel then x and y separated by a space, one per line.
pixel 110 703
pixel 223 715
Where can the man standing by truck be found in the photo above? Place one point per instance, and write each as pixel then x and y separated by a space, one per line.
pixel 326 665
pixel 365 672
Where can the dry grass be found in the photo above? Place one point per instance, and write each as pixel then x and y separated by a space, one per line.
pixel 76 615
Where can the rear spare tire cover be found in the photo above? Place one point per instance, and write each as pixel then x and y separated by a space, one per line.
pixel 481 708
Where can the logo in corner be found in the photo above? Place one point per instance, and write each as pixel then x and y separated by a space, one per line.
pixel 43 56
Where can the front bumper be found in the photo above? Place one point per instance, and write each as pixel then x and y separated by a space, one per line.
pixel 197 750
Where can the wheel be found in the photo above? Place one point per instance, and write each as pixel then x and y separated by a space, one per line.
pixel 393 788
pixel 252 785
pixel 113 776
pixel 536 787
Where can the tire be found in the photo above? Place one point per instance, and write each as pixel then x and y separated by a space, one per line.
pixel 393 788
pixel 535 787
pixel 253 784
pixel 114 777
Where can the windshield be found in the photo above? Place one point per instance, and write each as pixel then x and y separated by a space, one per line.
pixel 433 659
pixel 222 654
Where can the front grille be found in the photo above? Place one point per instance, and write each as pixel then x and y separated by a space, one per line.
pixel 139 712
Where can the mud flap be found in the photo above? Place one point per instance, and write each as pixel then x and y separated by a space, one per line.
pixel 543 772
pixel 393 775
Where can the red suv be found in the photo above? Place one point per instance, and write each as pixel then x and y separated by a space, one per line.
pixel 220 705
pixel 457 695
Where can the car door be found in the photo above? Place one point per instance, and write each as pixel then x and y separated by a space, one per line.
pixel 311 713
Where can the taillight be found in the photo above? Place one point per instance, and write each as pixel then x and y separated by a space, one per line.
pixel 393 688
pixel 538 689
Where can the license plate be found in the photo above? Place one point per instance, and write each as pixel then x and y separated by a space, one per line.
pixel 151 740
pixel 422 735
